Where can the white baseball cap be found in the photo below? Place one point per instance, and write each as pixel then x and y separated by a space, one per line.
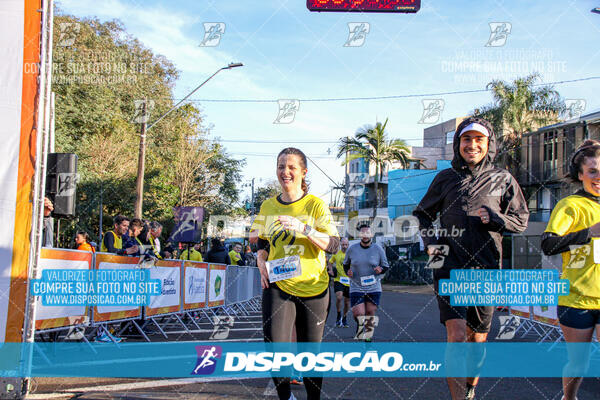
pixel 474 126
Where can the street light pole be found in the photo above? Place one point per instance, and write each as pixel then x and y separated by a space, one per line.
pixel 145 128
pixel 139 190
pixel 252 197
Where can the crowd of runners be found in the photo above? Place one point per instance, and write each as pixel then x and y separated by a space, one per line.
pixel 295 232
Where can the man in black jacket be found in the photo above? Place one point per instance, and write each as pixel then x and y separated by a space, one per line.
pixel 476 202
pixel 217 253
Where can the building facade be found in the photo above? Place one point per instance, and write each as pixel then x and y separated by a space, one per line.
pixel 545 157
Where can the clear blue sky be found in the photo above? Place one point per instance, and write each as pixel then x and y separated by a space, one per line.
pixel 291 53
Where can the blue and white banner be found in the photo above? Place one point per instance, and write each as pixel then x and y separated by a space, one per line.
pixel 359 359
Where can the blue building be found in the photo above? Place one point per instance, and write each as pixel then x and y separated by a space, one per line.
pixel 406 188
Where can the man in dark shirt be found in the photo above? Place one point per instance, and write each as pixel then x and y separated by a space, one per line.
pixel 114 241
pixel 476 203
pixel 217 253
pixel 48 230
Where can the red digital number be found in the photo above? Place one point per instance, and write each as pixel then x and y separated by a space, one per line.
pixel 364 5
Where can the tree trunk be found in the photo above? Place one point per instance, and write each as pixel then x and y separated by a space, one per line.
pixel 376 201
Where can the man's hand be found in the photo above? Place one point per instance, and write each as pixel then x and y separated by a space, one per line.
pixel 329 270
pixel 350 273
pixel 595 230
pixel 378 270
pixel 131 250
pixel 484 215
pixel 264 274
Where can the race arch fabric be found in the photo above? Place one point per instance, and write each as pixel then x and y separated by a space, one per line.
pixel 20 25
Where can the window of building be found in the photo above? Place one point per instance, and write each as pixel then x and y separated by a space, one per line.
pixel 550 153
pixel 450 137
pixel 568 147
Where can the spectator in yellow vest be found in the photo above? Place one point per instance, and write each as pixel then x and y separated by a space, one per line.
pixel 112 242
pixel 235 254
pixel 192 253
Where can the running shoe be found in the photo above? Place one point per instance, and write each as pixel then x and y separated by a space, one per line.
pixel 74 334
pixel 470 395
pixel 345 323
pixel 106 338
pixel 338 323
pixel 296 381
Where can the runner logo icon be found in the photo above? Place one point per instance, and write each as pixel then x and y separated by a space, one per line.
pixel 207 359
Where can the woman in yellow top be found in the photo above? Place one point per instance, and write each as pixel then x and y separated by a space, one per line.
pixel 573 228
pixel 297 224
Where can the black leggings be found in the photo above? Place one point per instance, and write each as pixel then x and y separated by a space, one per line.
pixel 280 311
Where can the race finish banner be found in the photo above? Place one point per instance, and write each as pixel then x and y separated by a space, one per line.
pixel 20 52
pixel 217 284
pixel 103 313
pixel 168 272
pixel 194 285
pixel 54 316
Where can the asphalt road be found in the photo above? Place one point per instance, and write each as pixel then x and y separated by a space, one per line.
pixel 407 314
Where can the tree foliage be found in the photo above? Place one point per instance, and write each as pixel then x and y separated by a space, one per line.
pixel 97 77
pixel 372 144
pixel 519 107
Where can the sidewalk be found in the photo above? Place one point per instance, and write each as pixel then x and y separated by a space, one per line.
pixel 399 288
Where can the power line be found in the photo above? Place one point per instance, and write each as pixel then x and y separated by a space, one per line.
pixel 392 97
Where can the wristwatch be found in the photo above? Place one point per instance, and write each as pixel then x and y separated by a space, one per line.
pixel 307 229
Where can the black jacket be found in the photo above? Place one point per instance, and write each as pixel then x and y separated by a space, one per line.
pixel 455 195
pixel 218 254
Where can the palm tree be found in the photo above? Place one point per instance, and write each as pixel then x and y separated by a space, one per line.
pixel 517 108
pixel 371 143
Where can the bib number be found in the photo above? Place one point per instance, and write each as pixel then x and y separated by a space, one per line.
pixel 284 268
pixel 344 280
pixel 367 280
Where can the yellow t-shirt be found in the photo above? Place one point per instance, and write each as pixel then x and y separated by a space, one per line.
pixel 310 210
pixel 338 259
pixel 235 257
pixel 572 214
pixel 194 255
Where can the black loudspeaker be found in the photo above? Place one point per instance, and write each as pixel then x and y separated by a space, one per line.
pixel 61 183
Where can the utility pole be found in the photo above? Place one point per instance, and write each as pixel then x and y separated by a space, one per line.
pixel 139 191
pixel 141 160
pixel 346 200
pixel 253 208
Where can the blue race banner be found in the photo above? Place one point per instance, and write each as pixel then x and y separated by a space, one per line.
pixel 359 359
pixel 521 287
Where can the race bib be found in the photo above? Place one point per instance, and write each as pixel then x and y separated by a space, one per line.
pixel 345 280
pixel 367 280
pixel 284 268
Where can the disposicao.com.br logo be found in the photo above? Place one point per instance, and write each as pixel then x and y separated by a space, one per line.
pixel 207 359
pixel 351 362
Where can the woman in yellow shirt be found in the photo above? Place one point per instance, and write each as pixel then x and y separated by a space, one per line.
pixel 296 226
pixel 573 228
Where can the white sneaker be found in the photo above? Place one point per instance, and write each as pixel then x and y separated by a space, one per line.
pixel 292 397
pixel 76 334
